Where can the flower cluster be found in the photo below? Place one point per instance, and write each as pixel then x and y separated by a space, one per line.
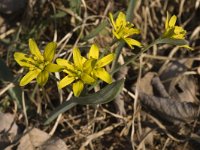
pixel 84 70
pixel 81 71
pixel 123 29
pixel 174 32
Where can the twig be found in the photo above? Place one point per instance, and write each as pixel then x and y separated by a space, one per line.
pixel 24 110
pixel 10 85
pixel 98 134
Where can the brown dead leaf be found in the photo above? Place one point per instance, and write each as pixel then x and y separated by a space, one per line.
pixel 179 86
pixel 8 129
pixel 33 139
pixel 170 109
pixel 54 144
pixel 159 89
pixel 40 140
pixel 145 83
pixel 184 89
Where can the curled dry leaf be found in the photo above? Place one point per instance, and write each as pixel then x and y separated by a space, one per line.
pixel 184 89
pixel 179 86
pixel 170 109
pixel 159 88
pixel 145 83
pixel 174 96
pixel 154 97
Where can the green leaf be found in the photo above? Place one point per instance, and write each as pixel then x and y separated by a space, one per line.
pixel 75 6
pixel 171 41
pixel 129 12
pixel 60 14
pixel 7 76
pixel 105 95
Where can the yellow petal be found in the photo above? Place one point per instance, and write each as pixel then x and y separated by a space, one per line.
pixel 65 63
pixel 34 49
pixel 77 58
pixel 77 88
pixel 179 30
pixel 42 78
pixel 29 77
pixel 121 20
pixel 116 35
pixel 112 20
pixel 103 75
pixel 71 73
pixel 23 59
pixel 178 36
pixel 132 42
pixel 132 31
pixel 53 68
pixel 65 81
pixel 89 65
pixel 83 60
pixel 87 78
pixel 172 21
pixel 49 51
pixel 94 52
pixel 167 21
pixel 105 60
pixel 187 47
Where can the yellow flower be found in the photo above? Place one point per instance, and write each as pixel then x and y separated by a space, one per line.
pixel 123 30
pixel 39 64
pixel 174 32
pixel 98 71
pixel 78 72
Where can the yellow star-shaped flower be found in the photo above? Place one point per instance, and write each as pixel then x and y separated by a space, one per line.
pixel 123 29
pixel 39 65
pixel 174 32
pixel 98 65
pixel 78 72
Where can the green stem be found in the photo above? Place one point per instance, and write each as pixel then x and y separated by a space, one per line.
pixel 136 56
pixel 129 12
pixel 129 17
pixel 117 53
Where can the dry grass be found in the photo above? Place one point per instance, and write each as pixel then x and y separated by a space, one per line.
pixel 102 127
